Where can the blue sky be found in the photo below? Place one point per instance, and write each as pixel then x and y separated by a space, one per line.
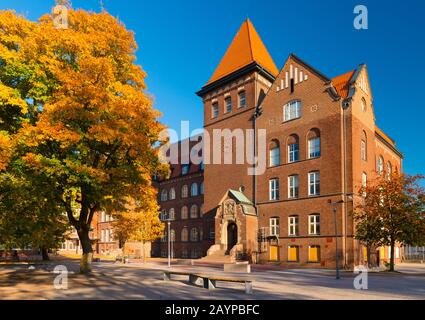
pixel 181 43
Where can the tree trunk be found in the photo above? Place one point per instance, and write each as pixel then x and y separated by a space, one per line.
pixel 44 254
pixel 368 255
pixel 392 255
pixel 87 258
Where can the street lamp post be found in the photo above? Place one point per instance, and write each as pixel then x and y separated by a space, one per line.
pixel 334 204
pixel 169 244
pixel 336 245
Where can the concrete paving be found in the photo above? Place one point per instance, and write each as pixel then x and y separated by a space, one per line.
pixel 144 281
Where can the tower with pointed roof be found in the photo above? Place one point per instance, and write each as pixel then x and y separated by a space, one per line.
pixel 241 79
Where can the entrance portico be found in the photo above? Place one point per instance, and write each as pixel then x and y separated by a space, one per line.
pixel 236 225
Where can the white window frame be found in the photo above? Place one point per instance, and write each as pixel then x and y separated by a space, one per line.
pixel 314 224
pixel 274 189
pixel 363 150
pixel 274 155
pixel 293 183
pixel 314 148
pixel 240 94
pixel 380 165
pixel 214 110
pixel 314 183
pixel 227 105
pixel 274 226
pixel 292 110
pixel 293 150
pixel 293 225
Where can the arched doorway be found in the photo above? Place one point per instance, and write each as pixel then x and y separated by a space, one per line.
pixel 232 236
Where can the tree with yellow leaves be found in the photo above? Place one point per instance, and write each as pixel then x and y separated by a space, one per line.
pixel 392 210
pixel 74 106
pixel 138 223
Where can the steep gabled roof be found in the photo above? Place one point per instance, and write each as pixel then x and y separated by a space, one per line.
pixel 342 83
pixel 245 49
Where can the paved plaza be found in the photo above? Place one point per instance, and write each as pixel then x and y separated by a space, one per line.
pixel 144 281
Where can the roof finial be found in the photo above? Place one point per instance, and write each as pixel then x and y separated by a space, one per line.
pixel 102 8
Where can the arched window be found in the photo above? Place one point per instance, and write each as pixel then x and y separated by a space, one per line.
pixel 172 194
pixel 293 148
pixel 274 153
pixel 313 142
pixel 194 190
pixel 171 214
pixel 184 213
pixel 389 170
pixel 173 235
pixel 380 165
pixel 364 105
pixel 194 235
pixel 164 195
pixel 194 211
pixel 364 146
pixel 185 191
pixel 185 235
pixel 201 187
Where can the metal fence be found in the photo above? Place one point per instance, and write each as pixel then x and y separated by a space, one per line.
pixel 413 253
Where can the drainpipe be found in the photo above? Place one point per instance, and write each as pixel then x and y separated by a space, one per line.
pixel 345 106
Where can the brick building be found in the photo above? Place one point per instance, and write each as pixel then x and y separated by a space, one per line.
pixel 181 197
pixel 322 144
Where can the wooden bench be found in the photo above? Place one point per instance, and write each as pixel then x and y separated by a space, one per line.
pixel 208 282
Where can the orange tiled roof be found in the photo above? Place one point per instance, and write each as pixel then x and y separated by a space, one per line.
pixel 245 48
pixel 342 83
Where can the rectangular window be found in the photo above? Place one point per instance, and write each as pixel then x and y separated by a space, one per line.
pixel 293 253
pixel 274 157
pixel 363 147
pixel 274 227
pixel 228 103
pixel 293 187
pixel 214 110
pixel 314 224
pixel 293 225
pixel 314 148
pixel 293 152
pixel 292 110
pixel 274 189
pixel 314 183
pixel 242 99
pixel 102 219
pixel 102 236
pixel 314 253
